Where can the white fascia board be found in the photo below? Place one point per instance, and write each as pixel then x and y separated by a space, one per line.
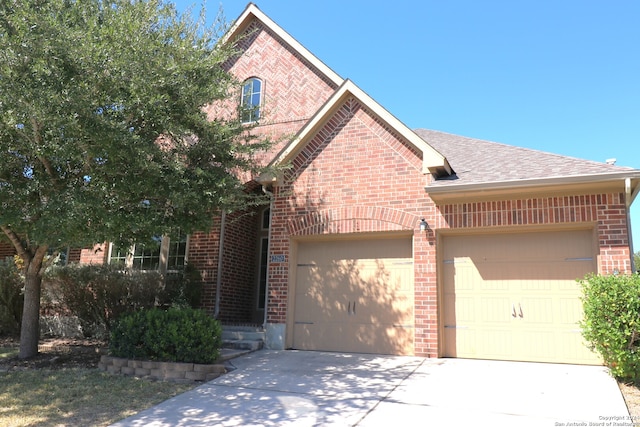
pixel 431 157
pixel 252 11
pixel 536 182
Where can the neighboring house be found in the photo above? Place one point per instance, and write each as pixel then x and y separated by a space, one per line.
pixel 380 239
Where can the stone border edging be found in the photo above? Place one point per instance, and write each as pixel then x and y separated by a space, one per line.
pixel 163 371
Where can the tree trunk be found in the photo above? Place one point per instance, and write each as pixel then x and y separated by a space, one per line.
pixel 30 331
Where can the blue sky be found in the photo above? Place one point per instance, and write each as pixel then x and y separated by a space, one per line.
pixel 557 76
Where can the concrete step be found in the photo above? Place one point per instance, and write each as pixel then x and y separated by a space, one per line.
pixel 251 345
pixel 249 338
pixel 242 335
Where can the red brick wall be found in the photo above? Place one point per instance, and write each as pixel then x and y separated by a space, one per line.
pixel 6 250
pixel 606 211
pixel 356 176
pixel 238 267
pixel 96 255
pixel 293 90
pixel 75 254
pixel 203 254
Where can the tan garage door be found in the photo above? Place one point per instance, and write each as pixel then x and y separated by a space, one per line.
pixel 514 296
pixel 355 296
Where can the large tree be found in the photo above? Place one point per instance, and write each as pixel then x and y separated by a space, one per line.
pixel 103 136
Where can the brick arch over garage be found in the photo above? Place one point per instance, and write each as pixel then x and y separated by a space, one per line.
pixel 352 219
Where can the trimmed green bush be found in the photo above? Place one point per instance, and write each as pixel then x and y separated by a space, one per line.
pixel 175 335
pixel 611 324
pixel 11 297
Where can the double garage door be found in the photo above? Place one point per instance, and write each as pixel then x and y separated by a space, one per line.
pixel 515 296
pixel 511 296
pixel 355 296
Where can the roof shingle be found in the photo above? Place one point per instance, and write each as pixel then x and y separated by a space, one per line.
pixel 477 161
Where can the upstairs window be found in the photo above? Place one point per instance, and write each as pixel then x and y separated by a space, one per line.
pixel 251 100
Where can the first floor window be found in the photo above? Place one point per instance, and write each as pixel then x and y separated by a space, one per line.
pixel 162 254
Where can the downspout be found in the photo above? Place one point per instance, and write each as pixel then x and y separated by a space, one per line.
pixel 223 218
pixel 629 197
pixel 266 285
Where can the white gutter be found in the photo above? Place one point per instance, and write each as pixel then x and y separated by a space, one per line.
pixel 216 311
pixel 535 182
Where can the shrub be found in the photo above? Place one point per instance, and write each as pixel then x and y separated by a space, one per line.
pixel 173 335
pixel 11 297
pixel 183 287
pixel 611 324
pixel 99 294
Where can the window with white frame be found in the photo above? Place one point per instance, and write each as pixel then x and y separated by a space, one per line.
pixel 162 254
pixel 251 100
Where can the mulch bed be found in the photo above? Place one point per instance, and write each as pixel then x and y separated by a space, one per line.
pixel 56 353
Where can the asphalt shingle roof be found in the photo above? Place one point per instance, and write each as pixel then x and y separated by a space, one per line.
pixel 477 161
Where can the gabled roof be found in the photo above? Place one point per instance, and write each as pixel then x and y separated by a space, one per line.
pixel 433 161
pixel 252 12
pixel 489 165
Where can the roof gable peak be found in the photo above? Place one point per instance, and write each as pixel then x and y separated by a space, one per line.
pixel 252 12
pixel 433 162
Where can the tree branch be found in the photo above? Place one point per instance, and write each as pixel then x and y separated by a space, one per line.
pixel 43 160
pixel 15 240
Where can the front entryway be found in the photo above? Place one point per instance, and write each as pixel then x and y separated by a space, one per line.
pixel 515 297
pixel 355 296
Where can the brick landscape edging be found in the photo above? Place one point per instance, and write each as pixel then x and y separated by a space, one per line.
pixel 164 371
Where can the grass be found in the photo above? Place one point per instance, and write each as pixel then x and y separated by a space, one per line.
pixel 71 397
pixel 8 352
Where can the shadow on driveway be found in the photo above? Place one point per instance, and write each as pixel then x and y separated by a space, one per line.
pixel 302 388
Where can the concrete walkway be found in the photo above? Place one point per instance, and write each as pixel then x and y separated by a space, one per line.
pixel 300 388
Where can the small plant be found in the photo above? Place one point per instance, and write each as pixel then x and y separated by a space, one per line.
pixel 611 324
pixel 11 297
pixel 174 335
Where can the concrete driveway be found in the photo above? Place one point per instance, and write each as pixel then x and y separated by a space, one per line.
pixel 301 388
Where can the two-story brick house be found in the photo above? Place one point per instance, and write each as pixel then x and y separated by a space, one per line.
pixel 381 239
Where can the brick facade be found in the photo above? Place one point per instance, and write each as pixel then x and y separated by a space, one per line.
pixel 606 211
pixel 96 255
pixel 293 88
pixel 6 250
pixel 356 176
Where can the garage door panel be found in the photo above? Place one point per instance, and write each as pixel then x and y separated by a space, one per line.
pixel 516 295
pixel 461 311
pixel 493 343
pixel 320 336
pixel 494 310
pixel 355 296
pixel 537 311
pixel 569 312
pixel 318 284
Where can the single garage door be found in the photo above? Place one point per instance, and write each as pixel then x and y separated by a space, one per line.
pixel 515 296
pixel 355 296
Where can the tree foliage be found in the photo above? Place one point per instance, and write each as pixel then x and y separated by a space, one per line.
pixel 103 135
